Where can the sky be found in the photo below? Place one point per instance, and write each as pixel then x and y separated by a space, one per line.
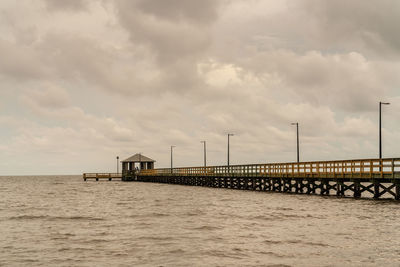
pixel 82 82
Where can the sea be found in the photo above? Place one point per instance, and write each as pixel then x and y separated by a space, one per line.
pixel 64 221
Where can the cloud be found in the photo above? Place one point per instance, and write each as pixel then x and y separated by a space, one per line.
pixel 342 81
pixel 74 5
pixel 370 27
pixel 49 97
pixel 82 82
pixel 180 10
pixel 20 62
pixel 177 32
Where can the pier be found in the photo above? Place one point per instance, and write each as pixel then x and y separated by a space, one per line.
pixel 370 178
pixel 102 176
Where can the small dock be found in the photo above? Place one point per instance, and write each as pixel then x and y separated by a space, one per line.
pixel 102 176
pixel 131 167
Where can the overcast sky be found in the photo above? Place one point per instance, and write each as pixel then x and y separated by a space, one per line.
pixel 82 82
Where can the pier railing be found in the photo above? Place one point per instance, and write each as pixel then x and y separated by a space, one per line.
pixel 100 176
pixel 361 168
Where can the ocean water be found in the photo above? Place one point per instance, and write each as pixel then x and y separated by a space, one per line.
pixel 63 221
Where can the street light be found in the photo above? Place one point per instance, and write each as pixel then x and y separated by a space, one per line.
pixel 297 133
pixel 140 161
pixel 229 134
pixel 117 164
pixel 171 157
pixel 380 127
pixel 205 158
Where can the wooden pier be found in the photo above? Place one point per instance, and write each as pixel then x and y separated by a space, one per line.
pixel 369 178
pixel 373 178
pixel 102 176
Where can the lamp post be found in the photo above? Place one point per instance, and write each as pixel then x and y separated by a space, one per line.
pixel 297 133
pixel 171 158
pixel 117 164
pixel 380 127
pixel 229 134
pixel 140 161
pixel 205 157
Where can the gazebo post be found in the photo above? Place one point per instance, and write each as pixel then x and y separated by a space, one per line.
pixel 128 166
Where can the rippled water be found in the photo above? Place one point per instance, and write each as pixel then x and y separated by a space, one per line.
pixel 63 221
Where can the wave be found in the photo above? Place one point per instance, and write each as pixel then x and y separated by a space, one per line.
pixel 296 241
pixel 206 228
pixel 54 218
pixel 282 216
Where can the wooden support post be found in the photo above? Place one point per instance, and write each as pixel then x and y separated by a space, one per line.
pixel 245 183
pixel 338 188
pixel 328 187
pixel 313 186
pixel 357 192
pixel 308 187
pixel 322 187
pixel 285 185
pixel 298 186
pixel 376 189
pixel 397 196
pixel 273 185
pixel 269 187
pixel 304 187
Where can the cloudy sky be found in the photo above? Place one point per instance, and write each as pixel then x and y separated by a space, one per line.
pixel 84 81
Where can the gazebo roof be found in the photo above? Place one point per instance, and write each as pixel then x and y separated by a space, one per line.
pixel 138 158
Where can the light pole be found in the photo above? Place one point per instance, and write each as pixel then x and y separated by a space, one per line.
pixel 297 133
pixel 205 158
pixel 380 127
pixel 229 134
pixel 117 164
pixel 171 157
pixel 140 161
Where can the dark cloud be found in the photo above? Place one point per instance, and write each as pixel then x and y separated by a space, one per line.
pixel 167 26
pixel 185 11
pixel 364 26
pixel 69 5
pixel 177 32
pixel 20 62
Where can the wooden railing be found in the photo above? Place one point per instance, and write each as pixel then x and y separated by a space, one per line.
pixel 361 168
pixel 101 175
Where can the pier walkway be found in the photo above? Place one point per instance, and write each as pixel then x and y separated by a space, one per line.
pixel 102 176
pixel 377 178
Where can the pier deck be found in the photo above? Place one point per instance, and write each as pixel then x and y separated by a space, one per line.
pixel 377 178
pixel 357 169
pixel 102 176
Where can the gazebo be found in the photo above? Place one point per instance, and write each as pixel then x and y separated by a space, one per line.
pixel 144 163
